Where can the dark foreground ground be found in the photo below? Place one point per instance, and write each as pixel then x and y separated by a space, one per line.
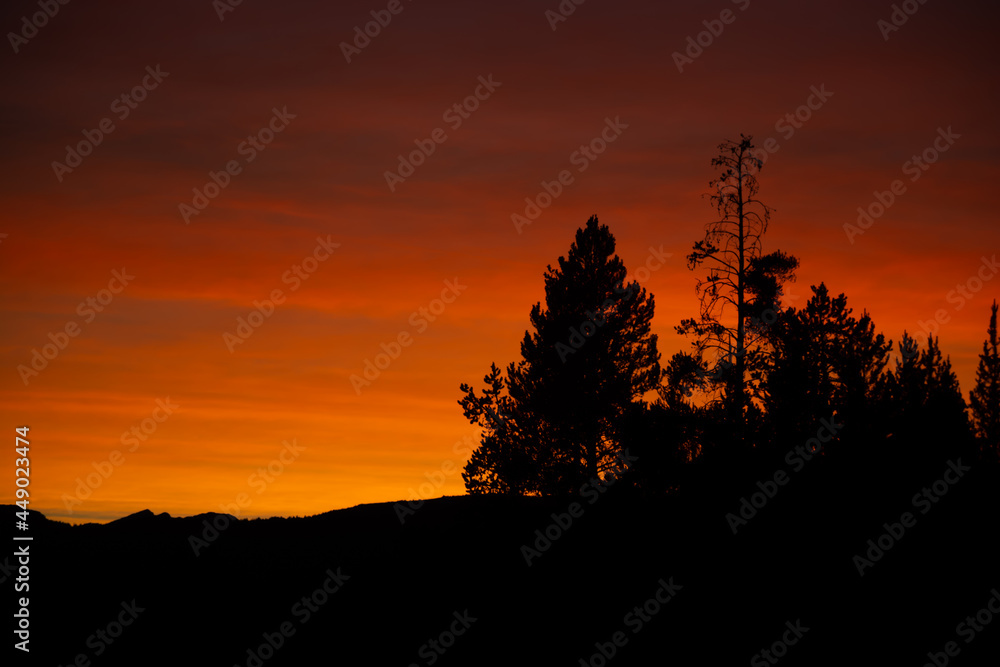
pixel 454 574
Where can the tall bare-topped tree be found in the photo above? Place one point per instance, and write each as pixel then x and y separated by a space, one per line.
pixel 741 294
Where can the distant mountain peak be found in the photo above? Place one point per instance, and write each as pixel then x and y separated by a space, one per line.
pixel 143 516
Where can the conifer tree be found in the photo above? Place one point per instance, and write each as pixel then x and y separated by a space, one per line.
pixel 590 357
pixel 985 397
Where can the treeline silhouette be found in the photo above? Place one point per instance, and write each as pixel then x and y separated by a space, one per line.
pixel 760 379
pixel 793 469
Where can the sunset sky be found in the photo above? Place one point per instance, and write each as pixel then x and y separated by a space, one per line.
pixel 887 96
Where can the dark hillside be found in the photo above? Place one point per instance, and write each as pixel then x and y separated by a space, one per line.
pixel 402 585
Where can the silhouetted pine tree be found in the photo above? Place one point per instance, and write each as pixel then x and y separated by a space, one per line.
pixel 665 439
pixel 505 461
pixel 927 415
pixel 984 399
pixel 589 359
pixel 826 364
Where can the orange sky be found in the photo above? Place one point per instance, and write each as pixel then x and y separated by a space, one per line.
pixel 323 176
